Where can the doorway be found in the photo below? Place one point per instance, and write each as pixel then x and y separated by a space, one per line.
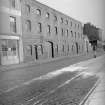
pixel 51 48
pixel 77 48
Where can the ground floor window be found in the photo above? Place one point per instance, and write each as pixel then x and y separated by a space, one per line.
pixel 9 51
pixel 9 47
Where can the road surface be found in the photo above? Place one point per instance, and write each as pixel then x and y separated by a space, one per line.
pixel 51 88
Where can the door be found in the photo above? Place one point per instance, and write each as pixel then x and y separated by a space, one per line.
pixel 52 48
pixel 36 52
pixel 77 47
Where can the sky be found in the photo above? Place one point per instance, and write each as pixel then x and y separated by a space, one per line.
pixel 92 11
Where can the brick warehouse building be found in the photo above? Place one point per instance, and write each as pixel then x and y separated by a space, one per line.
pixel 31 31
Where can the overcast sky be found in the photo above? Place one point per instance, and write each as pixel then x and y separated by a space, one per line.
pixel 83 10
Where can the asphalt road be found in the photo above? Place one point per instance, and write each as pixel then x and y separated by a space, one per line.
pixel 14 77
pixel 19 87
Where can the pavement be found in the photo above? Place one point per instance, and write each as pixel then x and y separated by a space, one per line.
pixel 98 95
pixel 74 59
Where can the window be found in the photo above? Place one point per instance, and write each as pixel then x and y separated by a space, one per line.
pixel 13 47
pixel 68 48
pixel 28 25
pixel 67 32
pixel 63 48
pixel 57 48
pixel 66 22
pixel 71 24
pixel 75 25
pixel 47 15
pixel 62 31
pixel 55 18
pixel 61 20
pixel 13 24
pixel 72 33
pixel 39 27
pixel 75 35
pixel 4 47
pixel 78 26
pixel 27 9
pixel 12 3
pixel 48 29
pixel 72 47
pixel 40 50
pixel 78 35
pixel 56 30
pixel 9 47
pixel 38 12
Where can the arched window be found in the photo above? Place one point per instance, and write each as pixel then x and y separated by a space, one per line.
pixel 67 32
pixel 47 15
pixel 38 12
pixel 72 33
pixel 72 47
pixel 39 27
pixel 63 48
pixel 56 30
pixel 27 8
pixel 48 29
pixel 78 26
pixel 75 35
pixel 61 20
pixel 68 48
pixel 66 22
pixel 78 35
pixel 55 18
pixel 62 31
pixel 28 25
pixel 71 23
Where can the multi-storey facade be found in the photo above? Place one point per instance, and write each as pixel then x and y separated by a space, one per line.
pixel 10 32
pixel 40 32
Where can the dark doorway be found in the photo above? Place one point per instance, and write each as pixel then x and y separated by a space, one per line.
pixel 52 48
pixel 77 47
pixel 36 52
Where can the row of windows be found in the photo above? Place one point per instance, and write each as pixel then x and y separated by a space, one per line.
pixel 47 15
pixel 39 29
pixel 28 28
pixel 38 12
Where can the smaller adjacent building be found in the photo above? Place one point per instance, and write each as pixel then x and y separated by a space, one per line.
pixel 100 34
pixel 10 32
pixel 87 45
